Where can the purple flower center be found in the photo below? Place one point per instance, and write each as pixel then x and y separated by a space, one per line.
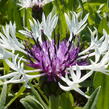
pixel 53 58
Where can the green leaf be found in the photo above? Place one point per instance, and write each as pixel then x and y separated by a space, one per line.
pixel 14 14
pixel 30 102
pixel 53 102
pixel 97 1
pixel 91 104
pixel 2 3
pixel 78 108
pixel 3 96
pixel 63 101
pixel 22 89
pixel 6 68
pixel 37 96
pixel 103 81
pixel 26 15
pixel 103 25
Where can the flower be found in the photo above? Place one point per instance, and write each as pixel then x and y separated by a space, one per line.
pixel 55 59
pixel 32 3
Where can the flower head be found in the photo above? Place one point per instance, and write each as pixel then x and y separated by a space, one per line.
pixel 50 56
pixel 53 58
pixel 32 3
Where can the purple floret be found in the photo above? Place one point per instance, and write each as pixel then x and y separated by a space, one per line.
pixel 52 58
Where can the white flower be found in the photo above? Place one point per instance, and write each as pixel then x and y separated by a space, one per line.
pixel 31 3
pixel 97 52
pixel 74 25
pixel 73 78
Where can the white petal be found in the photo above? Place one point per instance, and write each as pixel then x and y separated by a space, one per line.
pixel 86 76
pixel 80 92
pixel 8 75
pixel 65 88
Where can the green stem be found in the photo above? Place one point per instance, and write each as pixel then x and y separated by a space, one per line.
pixel 22 89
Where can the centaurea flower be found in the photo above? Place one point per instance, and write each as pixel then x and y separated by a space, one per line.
pixel 53 58
pixel 32 3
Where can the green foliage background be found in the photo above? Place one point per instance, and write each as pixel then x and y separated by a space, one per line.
pixel 22 98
